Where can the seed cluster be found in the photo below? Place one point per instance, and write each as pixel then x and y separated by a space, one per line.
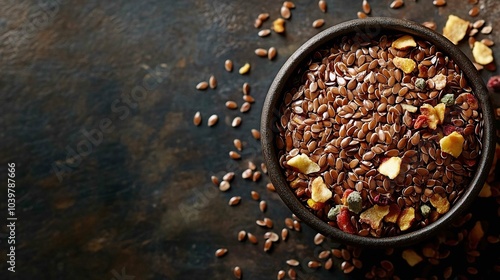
pixel 472 237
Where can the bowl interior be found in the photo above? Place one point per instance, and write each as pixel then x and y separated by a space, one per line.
pixel 360 29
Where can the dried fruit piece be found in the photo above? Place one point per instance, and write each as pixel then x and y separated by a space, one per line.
pixel 434 116
pixel 392 216
pixel 452 144
pixel 406 218
pixel 425 210
pixel 485 191
pixel 390 167
pixel 409 108
pixel 420 83
pixel 244 69
pixel 373 216
pixel 405 64
pixel 404 42
pixel 344 221
pixel 439 81
pixel 420 121
pixel 475 235
pixel 441 204
pixel 334 211
pixel 440 109
pixel 315 205
pixel 279 25
pixel 355 202
pixel 319 191
pixel 482 53
pixel 303 164
pixel 455 29
pixel 448 99
pixel 411 257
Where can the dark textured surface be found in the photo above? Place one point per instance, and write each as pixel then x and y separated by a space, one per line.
pixel 141 201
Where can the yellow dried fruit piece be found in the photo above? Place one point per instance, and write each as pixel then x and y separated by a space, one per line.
pixel 405 64
pixel 303 164
pixel 409 108
pixel 406 218
pixel 319 191
pixel 393 215
pixel 279 25
pixel 440 109
pixel 373 216
pixel 404 42
pixel 475 235
pixel 452 144
pixel 482 53
pixel 455 29
pixel 411 257
pixel 439 81
pixel 485 191
pixel 441 204
pixel 390 167
pixel 244 69
pixel 432 116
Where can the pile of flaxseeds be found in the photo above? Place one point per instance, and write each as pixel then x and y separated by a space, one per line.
pixel 473 240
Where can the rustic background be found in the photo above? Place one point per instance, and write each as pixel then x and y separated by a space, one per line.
pixel 138 200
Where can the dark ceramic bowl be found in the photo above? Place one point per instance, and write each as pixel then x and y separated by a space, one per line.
pixel 270 115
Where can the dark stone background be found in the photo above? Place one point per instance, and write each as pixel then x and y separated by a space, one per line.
pixel 140 201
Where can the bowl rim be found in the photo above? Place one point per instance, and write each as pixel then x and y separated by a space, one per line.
pixel 362 27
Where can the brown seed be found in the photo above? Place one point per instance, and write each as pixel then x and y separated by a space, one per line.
pixel 212 120
pixel 274 237
pixel 220 252
pixel 324 254
pixel 231 105
pixel 322 5
pixel 228 65
pixel 268 244
pixel 215 180
pixel 439 3
pixel 474 11
pixel 264 32
pixel 361 15
pixel 430 24
pixel 478 23
pixel 257 23
pixel 296 226
pixel 263 206
pixel 396 4
pixel 270 187
pixel 252 165
pixel 255 195
pixel 252 238
pixel 487 42
pixel 248 98
pixel 235 200
pixel 366 7
pixel 228 176
pixel 234 155
pixel 247 174
pixel 245 107
pixel 261 52
pixel 212 82
pixel 318 23
pixel 284 234
pixel 292 262
pixel 313 264
pixel 255 134
pixel 246 88
pixel 328 264
pixel 281 275
pixel 271 53
pixel 487 29
pixel 237 272
pixel 263 167
pixel 319 238
pixel 242 235
pixel 289 4
pixel 224 186
pixel 285 12
pixel 237 144
pixel 202 85
pixel 292 274
pixel 268 222
pixel 197 119
pixel 236 122
pixel 263 16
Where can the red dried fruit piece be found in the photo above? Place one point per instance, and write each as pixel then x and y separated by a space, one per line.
pixel 448 129
pixel 420 121
pixel 472 101
pixel 344 221
pixel 381 200
pixel 494 84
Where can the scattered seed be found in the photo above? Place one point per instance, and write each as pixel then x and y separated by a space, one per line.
pixel 487 29
pixel 271 236
pixel 313 264
pixel 271 53
pixel 439 3
pixel 212 82
pixel 268 222
pixel 361 15
pixel 252 238
pixel 220 252
pixel 293 262
pixel 430 24
pixel 257 23
pixel 322 5
pixel 264 32
pixel 228 65
pixel 292 274
pixel 261 52
pixel 268 244
pixel 235 200
pixel 474 11
pixel 237 144
pixel 224 186
pixel 236 122
pixel 234 155
pixel 319 238
pixel 270 187
pixel 318 23
pixel 245 107
pixel 281 275
pixel 285 12
pixel 228 176
pixel 237 272
pixel 242 235
pixel 255 134
pixel 256 176
pixel 366 7
pixel 296 225
pixel 478 23
pixel 252 165
pixel 487 42
pixel 328 264
pixel 197 119
pixel 263 167
pixel 212 120
pixel 263 206
pixel 246 88
pixel 255 195
pixel 214 180
pixel 244 69
pixel 263 16
pixel 289 4
pixel 248 98
pixel 284 234
pixel 202 85
pixel 396 4
pixel 247 173
pixel 231 105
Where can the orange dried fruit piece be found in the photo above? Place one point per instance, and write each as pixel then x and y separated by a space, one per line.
pixel 455 29
pixel 441 204
pixel 392 216
pixel 319 191
pixel 405 64
pixel 482 53
pixel 315 205
pixel 404 42
pixel 452 144
pixel 406 218
pixel 303 164
pixel 390 167
pixel 374 215
pixel 411 257
pixel 475 235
